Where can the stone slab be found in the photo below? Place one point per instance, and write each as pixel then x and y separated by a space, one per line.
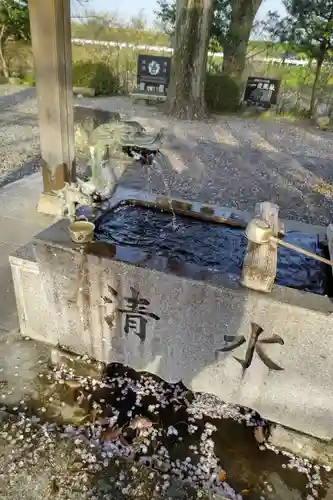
pixel 27 187
pixel 8 314
pixel 50 205
pixel 18 231
pixel 84 91
pixel 31 304
pixel 18 207
pixel 302 445
pixel 148 96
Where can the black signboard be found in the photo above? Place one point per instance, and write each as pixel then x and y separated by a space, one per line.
pixel 154 70
pixel 261 91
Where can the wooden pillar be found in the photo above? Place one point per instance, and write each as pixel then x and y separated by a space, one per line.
pixel 52 49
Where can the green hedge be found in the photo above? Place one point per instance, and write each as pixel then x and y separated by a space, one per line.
pixel 221 93
pixel 97 75
pixel 29 79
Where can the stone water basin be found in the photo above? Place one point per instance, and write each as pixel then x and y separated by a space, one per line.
pixel 159 292
pixel 216 247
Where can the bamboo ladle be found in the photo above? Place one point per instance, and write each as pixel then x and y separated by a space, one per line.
pixel 260 232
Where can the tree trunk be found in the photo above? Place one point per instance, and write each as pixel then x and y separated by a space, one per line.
pixel 186 93
pixel 2 57
pixel 236 41
pixel 319 63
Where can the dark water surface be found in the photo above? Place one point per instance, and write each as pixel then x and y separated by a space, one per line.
pixel 213 246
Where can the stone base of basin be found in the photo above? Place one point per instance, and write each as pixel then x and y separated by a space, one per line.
pixel 181 323
pixel 50 204
pixel 84 91
pixel 302 445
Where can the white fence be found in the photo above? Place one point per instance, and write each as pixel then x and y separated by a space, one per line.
pixel 159 48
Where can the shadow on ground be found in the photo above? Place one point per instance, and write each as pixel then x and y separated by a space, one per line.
pixel 19 97
pixel 238 178
pixel 236 162
pixel 232 161
pixel 29 167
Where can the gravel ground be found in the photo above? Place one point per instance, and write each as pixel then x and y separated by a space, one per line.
pixel 227 160
pixel 19 134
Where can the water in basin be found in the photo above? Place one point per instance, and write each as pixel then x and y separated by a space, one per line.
pixel 209 245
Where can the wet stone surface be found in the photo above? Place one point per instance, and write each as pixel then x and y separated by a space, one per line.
pixel 128 434
pixel 39 462
pixel 213 246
